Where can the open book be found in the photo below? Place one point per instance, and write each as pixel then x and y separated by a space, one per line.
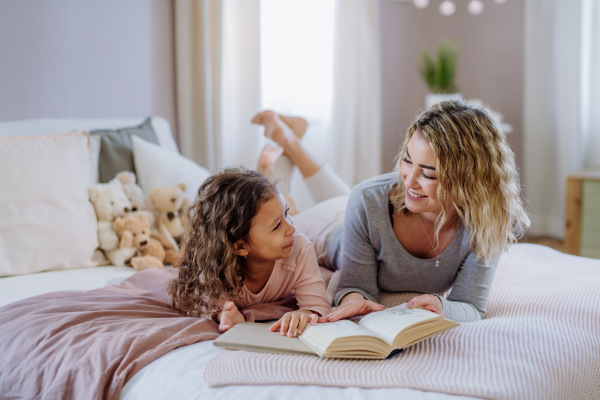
pixel 377 335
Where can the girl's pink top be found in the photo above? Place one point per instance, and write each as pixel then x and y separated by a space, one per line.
pixel 299 273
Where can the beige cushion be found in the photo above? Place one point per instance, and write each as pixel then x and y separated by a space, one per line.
pixel 46 219
pixel 158 168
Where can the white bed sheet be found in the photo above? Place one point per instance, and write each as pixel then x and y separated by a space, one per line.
pixel 179 374
pixel 20 287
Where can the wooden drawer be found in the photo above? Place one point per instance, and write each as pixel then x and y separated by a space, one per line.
pixel 582 235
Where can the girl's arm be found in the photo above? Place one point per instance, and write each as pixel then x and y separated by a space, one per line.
pixel 309 287
pixel 229 316
pixel 310 292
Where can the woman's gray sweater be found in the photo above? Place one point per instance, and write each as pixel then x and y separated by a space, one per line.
pixel 371 258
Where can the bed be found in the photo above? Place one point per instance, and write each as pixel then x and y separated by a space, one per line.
pixel 543 323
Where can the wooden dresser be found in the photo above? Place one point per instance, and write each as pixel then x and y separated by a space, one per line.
pixel 582 234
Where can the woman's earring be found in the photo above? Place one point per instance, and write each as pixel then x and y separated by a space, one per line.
pixel 245 256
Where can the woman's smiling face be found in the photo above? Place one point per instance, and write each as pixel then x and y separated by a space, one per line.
pixel 420 180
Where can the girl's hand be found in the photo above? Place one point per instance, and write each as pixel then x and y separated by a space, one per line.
pixel 428 302
pixel 230 316
pixel 351 305
pixel 292 320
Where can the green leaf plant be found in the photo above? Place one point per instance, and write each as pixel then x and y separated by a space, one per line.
pixel 439 72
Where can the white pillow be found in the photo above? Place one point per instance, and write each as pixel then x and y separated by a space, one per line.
pixel 35 127
pixel 160 168
pixel 46 219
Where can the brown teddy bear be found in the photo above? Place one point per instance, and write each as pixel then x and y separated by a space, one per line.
pixel 172 206
pixel 134 231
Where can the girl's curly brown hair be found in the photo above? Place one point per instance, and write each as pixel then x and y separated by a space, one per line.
pixel 209 270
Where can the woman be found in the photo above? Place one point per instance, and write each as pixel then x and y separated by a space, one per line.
pixel 439 222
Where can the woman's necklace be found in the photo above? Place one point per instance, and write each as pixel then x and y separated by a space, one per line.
pixel 437 255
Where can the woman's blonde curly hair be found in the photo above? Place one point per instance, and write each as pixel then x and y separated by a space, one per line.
pixel 209 270
pixel 476 173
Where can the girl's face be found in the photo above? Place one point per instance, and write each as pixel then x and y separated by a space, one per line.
pixel 272 235
pixel 420 180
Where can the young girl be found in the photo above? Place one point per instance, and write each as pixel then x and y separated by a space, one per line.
pixel 240 248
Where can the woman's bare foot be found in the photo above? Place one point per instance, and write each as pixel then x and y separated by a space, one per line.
pixel 267 158
pixel 283 135
pixel 281 129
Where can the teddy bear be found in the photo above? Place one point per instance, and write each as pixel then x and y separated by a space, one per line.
pixel 139 201
pixel 109 201
pixel 172 206
pixel 134 231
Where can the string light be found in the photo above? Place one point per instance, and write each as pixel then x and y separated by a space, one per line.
pixel 475 7
pixel 421 3
pixel 447 8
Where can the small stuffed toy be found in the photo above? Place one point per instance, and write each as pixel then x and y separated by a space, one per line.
pixel 172 206
pixel 139 201
pixel 134 231
pixel 110 202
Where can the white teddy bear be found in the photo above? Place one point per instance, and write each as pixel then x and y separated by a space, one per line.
pixel 139 201
pixel 110 202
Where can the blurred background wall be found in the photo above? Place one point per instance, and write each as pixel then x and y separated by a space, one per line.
pixel 490 65
pixel 86 59
pixel 64 58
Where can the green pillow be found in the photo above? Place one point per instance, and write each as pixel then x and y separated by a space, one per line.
pixel 116 148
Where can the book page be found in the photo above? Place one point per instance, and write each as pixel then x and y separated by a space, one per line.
pixel 339 329
pixel 389 322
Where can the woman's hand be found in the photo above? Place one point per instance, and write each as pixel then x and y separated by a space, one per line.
pixel 230 316
pixel 428 302
pixel 292 320
pixel 352 304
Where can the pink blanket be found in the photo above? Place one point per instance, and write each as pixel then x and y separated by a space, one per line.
pixel 87 345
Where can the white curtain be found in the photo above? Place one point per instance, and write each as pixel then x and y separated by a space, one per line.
pixel 218 80
pixel 355 139
pixel 562 88
pixel 218 58
pixel 240 80
pixel 591 83
pixel 198 65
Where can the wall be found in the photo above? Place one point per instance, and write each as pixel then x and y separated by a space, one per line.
pixel 490 66
pixel 86 59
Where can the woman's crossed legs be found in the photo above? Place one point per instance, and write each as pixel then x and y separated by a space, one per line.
pixel 328 190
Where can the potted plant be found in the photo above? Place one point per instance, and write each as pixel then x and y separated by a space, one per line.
pixel 439 73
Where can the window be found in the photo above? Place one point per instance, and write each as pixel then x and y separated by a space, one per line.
pixel 297 61
pixel 296 69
